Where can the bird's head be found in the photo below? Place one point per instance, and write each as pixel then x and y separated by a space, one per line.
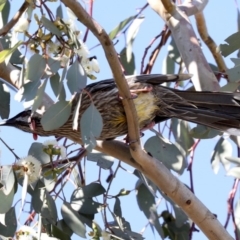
pixel 25 121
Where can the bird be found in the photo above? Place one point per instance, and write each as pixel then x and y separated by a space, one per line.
pixel 154 103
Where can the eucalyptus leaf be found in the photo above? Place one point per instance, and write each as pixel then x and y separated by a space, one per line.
pixel 166 152
pixel 59 11
pixel 103 160
pixel 10 227
pixel 76 78
pixel 232 45
pixel 56 115
pixel 6 201
pixel 203 132
pixel 120 27
pixel 36 68
pixel 146 203
pixel 2 4
pixel 7 179
pixel 128 62
pixel 36 150
pixel 91 125
pixel 58 87
pixel 50 26
pixel 6 52
pixel 39 96
pixel 222 150
pixel 4 101
pixel 73 220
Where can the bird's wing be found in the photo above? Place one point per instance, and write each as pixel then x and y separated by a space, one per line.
pixel 157 79
pixel 104 85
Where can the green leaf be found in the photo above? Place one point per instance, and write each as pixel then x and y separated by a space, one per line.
pixel 230 87
pixel 86 206
pixel 90 190
pixel 50 26
pixel 59 234
pixel 16 57
pixel 146 203
pixel 131 35
pixel 76 78
pixel 7 179
pixel 120 27
pixel 5 13
pixel 2 4
pixel 35 68
pixel 43 203
pixel 58 87
pixel 10 227
pixel 181 131
pixel 128 63
pixel 64 227
pixel 73 220
pixel 203 132
pixel 233 73
pixel 6 201
pixel 166 152
pixel 59 11
pixel 36 150
pixel 117 207
pixel 4 101
pixel 103 160
pixel 222 150
pixel 232 45
pixel 5 53
pixel 56 116
pixel 39 96
pixel 91 125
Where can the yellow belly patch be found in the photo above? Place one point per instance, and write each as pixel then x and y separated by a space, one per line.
pixel 146 106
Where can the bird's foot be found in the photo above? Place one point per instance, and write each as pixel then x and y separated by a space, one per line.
pixel 148 126
pixel 134 92
pixel 146 89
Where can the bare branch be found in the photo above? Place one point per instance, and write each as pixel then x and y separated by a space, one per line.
pixel 187 43
pixel 4 30
pixel 202 29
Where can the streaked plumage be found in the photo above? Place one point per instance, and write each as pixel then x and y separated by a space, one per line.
pixel 214 109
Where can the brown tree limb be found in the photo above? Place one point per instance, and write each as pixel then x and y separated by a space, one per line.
pixel 203 32
pixel 188 46
pixel 5 29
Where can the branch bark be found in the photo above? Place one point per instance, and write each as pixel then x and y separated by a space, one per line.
pixel 188 46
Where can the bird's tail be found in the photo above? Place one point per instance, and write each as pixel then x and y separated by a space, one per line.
pixel 219 110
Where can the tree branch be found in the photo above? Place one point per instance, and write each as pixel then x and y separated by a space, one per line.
pixel 188 46
pixel 4 30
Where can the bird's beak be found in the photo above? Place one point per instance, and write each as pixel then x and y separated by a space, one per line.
pixel 4 123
